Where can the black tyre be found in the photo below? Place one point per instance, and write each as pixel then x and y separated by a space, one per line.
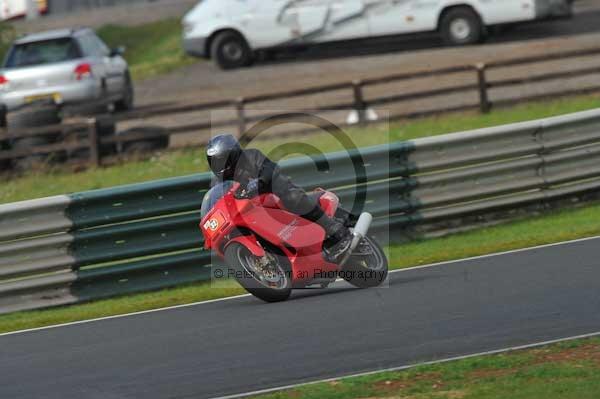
pixel 461 26
pixel 158 139
pixel 126 102
pixel 31 116
pixel 269 281
pixel 92 109
pixel 31 162
pixel 368 266
pixel 230 51
pixel 106 128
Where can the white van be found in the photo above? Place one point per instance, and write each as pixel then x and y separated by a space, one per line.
pixel 11 9
pixel 232 31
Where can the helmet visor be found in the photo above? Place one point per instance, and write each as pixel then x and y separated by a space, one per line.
pixel 219 165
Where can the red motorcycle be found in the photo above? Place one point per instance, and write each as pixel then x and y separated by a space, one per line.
pixel 271 251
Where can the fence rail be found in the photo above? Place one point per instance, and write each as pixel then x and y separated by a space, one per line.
pixel 90 245
pixel 352 98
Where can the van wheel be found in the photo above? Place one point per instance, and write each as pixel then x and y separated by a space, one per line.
pixel 158 140
pixel 230 51
pixel 461 26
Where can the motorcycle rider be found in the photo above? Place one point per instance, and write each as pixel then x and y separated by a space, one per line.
pixel 257 174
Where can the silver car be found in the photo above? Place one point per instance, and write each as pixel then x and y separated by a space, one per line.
pixel 70 66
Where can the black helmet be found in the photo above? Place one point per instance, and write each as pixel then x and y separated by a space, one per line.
pixel 222 154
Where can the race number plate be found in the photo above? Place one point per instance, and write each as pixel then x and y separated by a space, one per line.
pixel 214 224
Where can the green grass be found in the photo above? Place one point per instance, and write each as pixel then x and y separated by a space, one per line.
pixel 554 227
pixel 152 49
pixel 568 370
pixel 178 163
pixel 7 35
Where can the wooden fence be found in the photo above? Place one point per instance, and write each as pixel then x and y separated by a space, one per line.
pixel 357 102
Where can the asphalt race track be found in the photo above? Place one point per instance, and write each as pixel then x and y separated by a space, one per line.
pixel 242 345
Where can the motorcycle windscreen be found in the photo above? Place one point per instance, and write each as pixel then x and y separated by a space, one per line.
pixel 214 195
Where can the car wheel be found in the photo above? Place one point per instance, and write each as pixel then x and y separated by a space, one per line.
pixel 126 102
pixel 461 26
pixel 230 51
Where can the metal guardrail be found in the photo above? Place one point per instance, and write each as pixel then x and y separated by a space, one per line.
pixel 89 245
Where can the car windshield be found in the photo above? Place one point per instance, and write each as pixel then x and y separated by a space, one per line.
pixel 214 195
pixel 44 52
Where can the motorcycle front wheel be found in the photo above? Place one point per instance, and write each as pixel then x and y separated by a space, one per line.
pixel 367 267
pixel 267 278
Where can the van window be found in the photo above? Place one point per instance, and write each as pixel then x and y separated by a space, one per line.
pixel 43 52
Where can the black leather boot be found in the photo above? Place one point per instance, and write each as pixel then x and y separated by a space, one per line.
pixel 338 237
pixel 337 244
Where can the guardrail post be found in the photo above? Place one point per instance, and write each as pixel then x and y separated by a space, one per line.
pixel 241 116
pixel 94 142
pixel 484 101
pixel 359 101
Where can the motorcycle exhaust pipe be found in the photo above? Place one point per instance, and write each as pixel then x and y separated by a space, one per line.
pixel 358 233
pixel 361 229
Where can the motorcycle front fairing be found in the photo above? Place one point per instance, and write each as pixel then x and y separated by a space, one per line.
pixel 301 240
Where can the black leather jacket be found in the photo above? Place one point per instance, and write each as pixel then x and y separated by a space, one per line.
pixel 253 164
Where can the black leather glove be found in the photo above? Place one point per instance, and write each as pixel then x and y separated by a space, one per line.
pixel 250 191
pixel 252 188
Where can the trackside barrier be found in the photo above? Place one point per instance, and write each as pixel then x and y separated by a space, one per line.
pixel 95 244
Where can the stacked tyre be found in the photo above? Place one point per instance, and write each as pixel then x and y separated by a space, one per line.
pixel 33 116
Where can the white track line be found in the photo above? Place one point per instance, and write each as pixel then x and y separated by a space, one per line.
pixel 247 295
pixel 125 315
pixel 400 368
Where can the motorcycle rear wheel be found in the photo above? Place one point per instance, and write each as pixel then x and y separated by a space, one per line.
pixel 368 270
pixel 276 287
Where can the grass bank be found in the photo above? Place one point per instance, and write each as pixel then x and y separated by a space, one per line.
pixel 177 163
pixel 560 371
pixel 152 49
pixel 554 227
